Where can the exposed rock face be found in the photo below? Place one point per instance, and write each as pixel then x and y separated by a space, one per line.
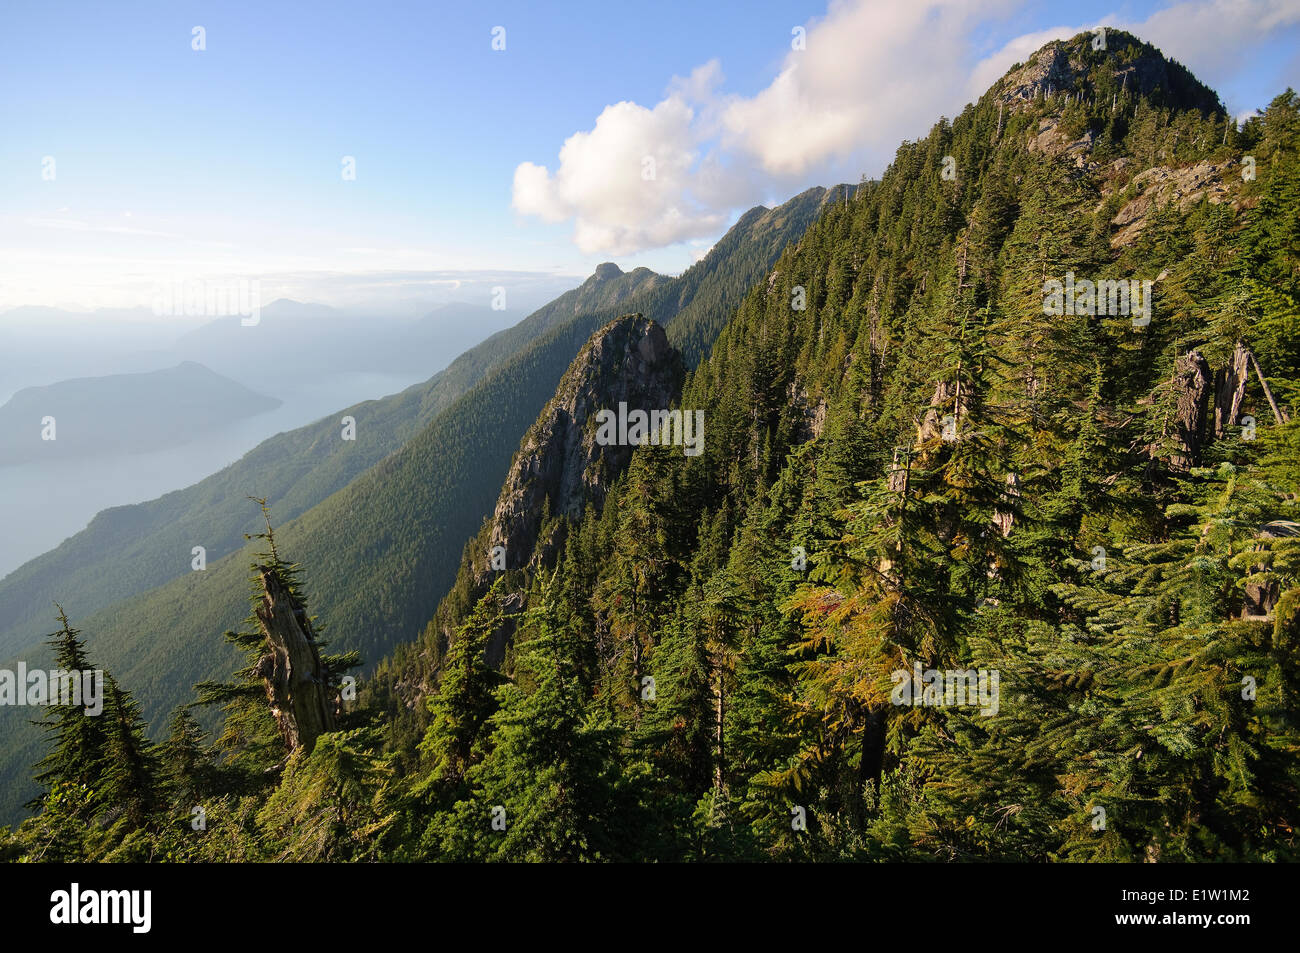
pixel 1161 185
pixel 1051 140
pixel 1059 67
pixel 1071 71
pixel 560 467
pixel 1050 71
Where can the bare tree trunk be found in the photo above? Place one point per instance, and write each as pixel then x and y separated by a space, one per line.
pixel 1004 521
pixel 297 684
pixel 1191 384
pixel 1277 414
pixel 931 425
pixel 1230 390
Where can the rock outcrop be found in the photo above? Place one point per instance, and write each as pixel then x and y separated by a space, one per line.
pixel 1123 77
pixel 560 466
pixel 1161 185
pixel 1073 67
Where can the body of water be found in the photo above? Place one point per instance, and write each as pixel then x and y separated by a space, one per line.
pixel 42 504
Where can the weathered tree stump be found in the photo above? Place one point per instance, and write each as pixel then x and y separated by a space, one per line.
pixel 297 682
pixel 1004 521
pixel 1191 385
pixel 945 393
pixel 1230 390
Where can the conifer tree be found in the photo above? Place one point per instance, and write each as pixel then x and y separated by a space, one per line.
pixel 76 759
pixel 129 785
pixel 466 697
pixel 330 804
pixel 550 789
pixel 187 771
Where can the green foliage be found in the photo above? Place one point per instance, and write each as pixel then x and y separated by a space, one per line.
pixel 381 519
pixel 919 469
pixel 1121 731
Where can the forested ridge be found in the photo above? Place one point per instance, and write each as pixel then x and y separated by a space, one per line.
pixel 910 464
pixel 381 518
pixel 127 550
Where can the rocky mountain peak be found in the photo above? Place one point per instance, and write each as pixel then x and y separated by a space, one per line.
pixel 611 287
pixel 561 466
pixel 1094 63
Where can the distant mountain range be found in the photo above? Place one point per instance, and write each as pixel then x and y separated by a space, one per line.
pixel 871 619
pixel 292 343
pixel 132 413
pixel 294 340
pixel 312 358
pixel 389 512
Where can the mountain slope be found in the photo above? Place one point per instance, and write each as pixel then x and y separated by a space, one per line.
pixel 760 235
pixel 122 412
pixel 130 549
pixel 926 469
pixel 387 545
pixel 971 566
pixel 386 541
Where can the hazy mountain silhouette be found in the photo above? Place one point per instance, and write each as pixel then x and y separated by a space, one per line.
pixel 91 416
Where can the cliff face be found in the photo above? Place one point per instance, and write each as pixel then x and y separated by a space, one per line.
pixel 1124 63
pixel 560 466
pixel 1214 181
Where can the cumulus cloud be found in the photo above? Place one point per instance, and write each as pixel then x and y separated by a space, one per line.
pixel 628 183
pixel 856 87
pixel 871 74
pixel 1209 36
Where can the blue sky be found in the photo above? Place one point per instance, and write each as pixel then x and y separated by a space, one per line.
pixel 171 163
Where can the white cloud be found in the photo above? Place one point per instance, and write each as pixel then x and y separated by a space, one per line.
pixel 699 87
pixel 873 73
pixel 628 183
pixel 851 95
pixel 700 250
pixel 1208 36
